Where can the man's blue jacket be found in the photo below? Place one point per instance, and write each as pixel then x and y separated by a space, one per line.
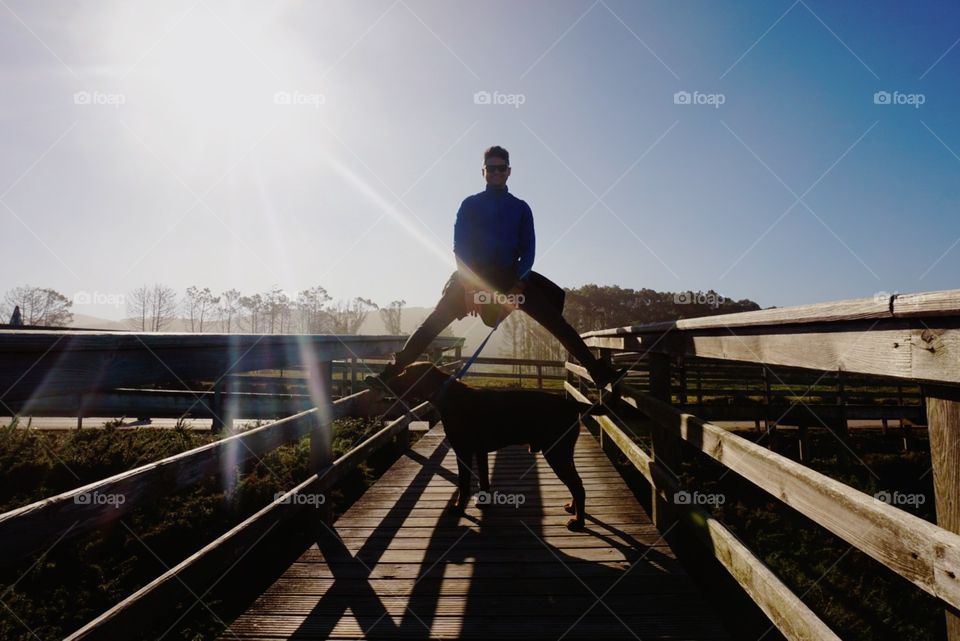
pixel 494 236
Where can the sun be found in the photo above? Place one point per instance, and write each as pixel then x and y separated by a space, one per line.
pixel 206 71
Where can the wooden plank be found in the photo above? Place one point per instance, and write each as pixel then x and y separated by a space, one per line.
pixel 921 552
pixel 392 557
pixel 673 584
pixel 896 350
pixel 784 609
pixel 555 625
pixel 164 404
pixel 946 302
pixel 943 418
pixel 194 571
pixel 321 438
pixel 904 346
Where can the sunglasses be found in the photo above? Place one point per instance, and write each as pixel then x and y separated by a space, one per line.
pixel 497 168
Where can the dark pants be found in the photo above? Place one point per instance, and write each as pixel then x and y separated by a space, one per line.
pixel 542 300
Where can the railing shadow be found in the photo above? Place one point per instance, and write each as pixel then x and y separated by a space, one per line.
pixel 351 589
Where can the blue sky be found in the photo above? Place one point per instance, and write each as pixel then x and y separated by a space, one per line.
pixel 330 143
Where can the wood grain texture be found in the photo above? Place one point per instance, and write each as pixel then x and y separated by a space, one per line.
pixel 402 566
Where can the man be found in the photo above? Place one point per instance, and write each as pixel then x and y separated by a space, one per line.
pixel 493 241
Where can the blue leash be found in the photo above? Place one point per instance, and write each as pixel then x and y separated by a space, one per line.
pixel 463 368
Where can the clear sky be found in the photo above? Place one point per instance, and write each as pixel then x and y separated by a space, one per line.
pixel 247 145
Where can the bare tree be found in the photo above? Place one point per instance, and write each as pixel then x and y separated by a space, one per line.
pixel 198 306
pixel 391 315
pixel 311 312
pixel 513 326
pixel 227 309
pixel 152 308
pixel 347 317
pixel 279 310
pixel 138 307
pixel 529 340
pixel 253 310
pixel 38 306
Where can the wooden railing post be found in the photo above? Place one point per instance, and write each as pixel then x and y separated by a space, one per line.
pixel 321 436
pixel 217 426
pixel 607 445
pixel 699 371
pixel 904 433
pixel 572 378
pixel 682 371
pixel 666 447
pixel 943 421
pixel 767 412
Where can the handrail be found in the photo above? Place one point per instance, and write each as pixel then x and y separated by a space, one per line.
pixel 777 601
pixel 939 303
pixel 912 337
pixel 46 362
pixel 910 546
pixel 82 509
pixel 133 610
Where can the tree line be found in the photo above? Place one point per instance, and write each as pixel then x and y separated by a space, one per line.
pixel 593 307
pixel 155 308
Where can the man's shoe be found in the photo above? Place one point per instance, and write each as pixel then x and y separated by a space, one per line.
pixel 610 376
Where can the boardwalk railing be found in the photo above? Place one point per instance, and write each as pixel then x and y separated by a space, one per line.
pixel 911 339
pixel 55 372
pixel 34 527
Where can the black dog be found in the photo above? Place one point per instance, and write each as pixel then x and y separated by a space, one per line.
pixel 478 421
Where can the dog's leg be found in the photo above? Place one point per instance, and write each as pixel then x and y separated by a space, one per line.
pixel 464 460
pixel 577 507
pixel 560 460
pixel 483 472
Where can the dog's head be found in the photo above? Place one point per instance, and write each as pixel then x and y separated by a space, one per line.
pixel 418 381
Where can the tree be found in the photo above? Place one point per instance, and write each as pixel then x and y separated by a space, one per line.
pixel 38 306
pixel 152 308
pixel 599 307
pixel 252 312
pixel 391 316
pixel 348 317
pixel 227 309
pixel 199 305
pixel 312 316
pixel 278 311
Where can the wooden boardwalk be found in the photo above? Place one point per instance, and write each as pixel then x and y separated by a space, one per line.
pixel 398 566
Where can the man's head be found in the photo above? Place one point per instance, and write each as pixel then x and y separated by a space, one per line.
pixel 496 166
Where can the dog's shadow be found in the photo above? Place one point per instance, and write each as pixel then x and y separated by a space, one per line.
pixel 526 552
pixel 494 565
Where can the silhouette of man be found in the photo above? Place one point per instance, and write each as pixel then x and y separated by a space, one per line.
pixel 494 243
